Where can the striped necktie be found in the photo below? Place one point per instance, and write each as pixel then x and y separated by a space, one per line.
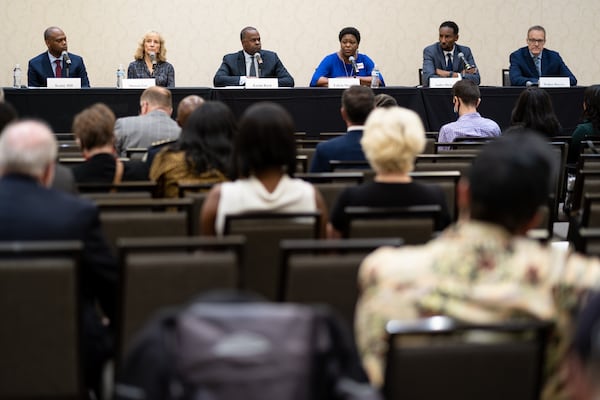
pixel 538 65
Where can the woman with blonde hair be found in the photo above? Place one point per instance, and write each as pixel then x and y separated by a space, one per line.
pixel 150 61
pixel 392 139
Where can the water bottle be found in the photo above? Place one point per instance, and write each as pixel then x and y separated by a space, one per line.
pixel 375 77
pixel 120 76
pixel 17 76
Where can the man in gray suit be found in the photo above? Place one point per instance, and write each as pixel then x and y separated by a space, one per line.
pixel 153 124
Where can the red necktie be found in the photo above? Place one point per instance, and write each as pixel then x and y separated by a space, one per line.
pixel 58 73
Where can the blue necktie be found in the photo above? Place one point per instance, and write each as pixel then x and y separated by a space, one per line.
pixel 538 65
pixel 448 62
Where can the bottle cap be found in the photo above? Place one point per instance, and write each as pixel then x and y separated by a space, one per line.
pixel 120 66
pixel 17 65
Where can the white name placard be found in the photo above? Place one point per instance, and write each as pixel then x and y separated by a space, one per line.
pixel 261 83
pixel 550 81
pixel 138 83
pixel 342 83
pixel 437 83
pixel 63 83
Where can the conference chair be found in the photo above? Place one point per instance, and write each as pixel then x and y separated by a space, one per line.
pixel 505 77
pixel 40 308
pixel 439 358
pixel 414 224
pixel 420 76
pixel 159 272
pixel 263 232
pixel 325 271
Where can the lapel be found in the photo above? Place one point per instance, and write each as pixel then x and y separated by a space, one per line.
pixel 531 64
pixel 46 66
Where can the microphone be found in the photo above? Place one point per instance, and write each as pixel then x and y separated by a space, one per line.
pixel 354 65
pixel 153 59
pixel 259 61
pixel 464 60
pixel 66 59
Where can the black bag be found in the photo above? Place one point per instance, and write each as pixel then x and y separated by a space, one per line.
pixel 247 351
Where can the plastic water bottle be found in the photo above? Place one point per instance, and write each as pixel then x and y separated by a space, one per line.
pixel 17 76
pixel 375 77
pixel 120 76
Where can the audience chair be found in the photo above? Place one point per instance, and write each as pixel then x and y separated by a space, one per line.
pixel 40 307
pixel 444 162
pixel 447 180
pixel 413 224
pixel 344 165
pixel 166 271
pixel 439 358
pixel 148 187
pixel 193 187
pixel 136 153
pixel 263 232
pixel 586 181
pixel 325 271
pixel 589 243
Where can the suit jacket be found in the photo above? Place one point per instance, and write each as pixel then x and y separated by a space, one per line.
pixel 102 167
pixel 143 130
pixel 522 67
pixel 345 147
pixel 234 66
pixel 39 70
pixel 433 57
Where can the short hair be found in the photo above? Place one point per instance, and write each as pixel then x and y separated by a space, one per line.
pixel 358 102
pixel 7 114
pixel 392 139
pixel 511 178
pixel 591 100
pixel 467 91
pixel 534 110
pixel 450 24
pixel 385 100
pixel 50 29
pixel 350 31
pixel 27 147
pixel 161 55
pixel 157 96
pixel 536 28
pixel 265 140
pixel 186 106
pixel 207 138
pixel 246 29
pixel 94 126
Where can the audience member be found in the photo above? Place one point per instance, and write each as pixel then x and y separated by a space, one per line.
pixel 150 61
pixel 392 140
pixel 51 63
pixel 264 161
pixel 529 63
pixel 153 124
pixel 202 154
pixel 93 128
pixel 340 64
pixel 385 100
pixel 591 122
pixel 482 269
pixel 8 114
pixel 534 111
pixel 31 211
pixel 466 98
pixel 251 62
pixel 357 103
pixel 443 59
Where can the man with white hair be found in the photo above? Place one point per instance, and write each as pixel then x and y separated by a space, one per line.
pixel 30 210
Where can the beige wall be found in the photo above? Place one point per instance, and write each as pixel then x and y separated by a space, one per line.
pixel 199 32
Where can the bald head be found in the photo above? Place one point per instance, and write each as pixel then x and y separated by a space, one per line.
pixel 28 148
pixel 186 106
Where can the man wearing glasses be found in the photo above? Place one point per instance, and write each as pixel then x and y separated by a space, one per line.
pixel 528 63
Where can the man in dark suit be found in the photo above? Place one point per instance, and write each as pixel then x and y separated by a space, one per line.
pixel 442 59
pixel 47 64
pixel 357 103
pixel 30 210
pixel 251 62
pixel 528 63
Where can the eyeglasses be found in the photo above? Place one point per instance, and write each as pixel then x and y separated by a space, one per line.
pixel 536 41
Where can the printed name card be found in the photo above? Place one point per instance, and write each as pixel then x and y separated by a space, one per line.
pixel 554 82
pixel 63 83
pixel 138 83
pixel 262 83
pixel 437 83
pixel 342 83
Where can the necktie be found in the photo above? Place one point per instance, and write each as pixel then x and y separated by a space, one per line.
pixel 252 67
pixel 448 62
pixel 538 65
pixel 58 73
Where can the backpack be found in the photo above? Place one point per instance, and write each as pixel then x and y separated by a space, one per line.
pixel 256 350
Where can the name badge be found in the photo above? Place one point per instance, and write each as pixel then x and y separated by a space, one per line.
pixel 144 83
pixel 554 82
pixel 360 65
pixel 342 83
pixel 63 83
pixel 262 83
pixel 438 83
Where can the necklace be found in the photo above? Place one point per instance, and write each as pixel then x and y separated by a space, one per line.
pixel 345 66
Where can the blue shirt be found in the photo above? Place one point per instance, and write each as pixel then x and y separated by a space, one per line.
pixel 468 125
pixel 333 67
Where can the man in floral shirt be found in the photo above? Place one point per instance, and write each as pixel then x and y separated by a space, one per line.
pixel 482 269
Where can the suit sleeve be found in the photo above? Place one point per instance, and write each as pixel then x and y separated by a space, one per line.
pixel 170 76
pixel 428 65
pixel 284 78
pixel 34 78
pixel 81 72
pixel 119 139
pixel 565 71
pixel 225 76
pixel 516 71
